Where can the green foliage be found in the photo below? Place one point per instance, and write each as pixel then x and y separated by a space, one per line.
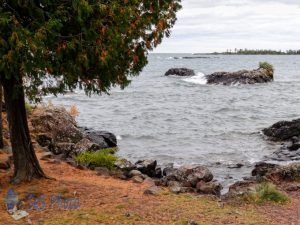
pixel 267 66
pixel 28 107
pixel 93 45
pixel 267 192
pixel 259 52
pixel 102 158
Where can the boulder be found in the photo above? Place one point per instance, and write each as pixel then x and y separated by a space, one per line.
pixel 147 167
pixel 102 138
pixel 85 145
pixel 154 190
pixel 240 77
pixel 275 172
pixel 240 188
pixel 124 165
pixel 180 72
pixel 46 156
pixel 63 148
pixel 192 174
pixel 284 131
pixel 134 173
pixel 137 179
pixel 209 188
pixel 56 129
pixel 56 124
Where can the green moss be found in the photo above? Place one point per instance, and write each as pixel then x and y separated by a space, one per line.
pixel 267 66
pixel 267 192
pixel 102 158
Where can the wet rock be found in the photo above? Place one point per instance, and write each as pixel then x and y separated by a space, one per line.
pixel 262 168
pixel 147 167
pixel 284 130
pixel 240 77
pixel 124 165
pixel 180 72
pixel 276 173
pixel 211 188
pixel 102 138
pixel 236 166
pixel 4 163
pixel 154 190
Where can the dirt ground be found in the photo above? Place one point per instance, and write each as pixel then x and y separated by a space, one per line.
pixel 105 200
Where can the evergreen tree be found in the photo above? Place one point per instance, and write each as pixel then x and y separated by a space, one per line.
pixel 90 44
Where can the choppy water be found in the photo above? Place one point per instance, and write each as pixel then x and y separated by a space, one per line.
pixel 182 120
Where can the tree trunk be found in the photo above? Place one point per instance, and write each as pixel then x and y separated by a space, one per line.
pixel 1 122
pixel 26 164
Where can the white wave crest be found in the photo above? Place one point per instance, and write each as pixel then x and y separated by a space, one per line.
pixel 197 79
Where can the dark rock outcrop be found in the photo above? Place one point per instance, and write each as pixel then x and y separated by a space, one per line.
pixel 184 72
pixel 287 132
pixel 240 77
pixel 277 173
pixel 147 167
pixel 56 129
pixel 284 131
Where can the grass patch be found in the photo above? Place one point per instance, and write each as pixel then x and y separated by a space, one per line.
pixel 267 66
pixel 102 158
pixel 267 192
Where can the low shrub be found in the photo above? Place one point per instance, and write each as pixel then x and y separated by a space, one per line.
pixel 267 192
pixel 101 158
pixel 267 66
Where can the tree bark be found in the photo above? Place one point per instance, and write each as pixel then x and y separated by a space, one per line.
pixel 1 121
pixel 26 165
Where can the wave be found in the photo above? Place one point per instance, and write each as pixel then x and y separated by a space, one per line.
pixel 197 79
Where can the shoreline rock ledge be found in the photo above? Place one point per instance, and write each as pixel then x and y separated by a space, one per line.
pixel 183 72
pixel 260 75
pixel 287 133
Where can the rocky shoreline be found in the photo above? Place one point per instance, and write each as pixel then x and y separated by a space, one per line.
pixel 61 139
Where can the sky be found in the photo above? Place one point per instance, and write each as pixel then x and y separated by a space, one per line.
pixel 217 25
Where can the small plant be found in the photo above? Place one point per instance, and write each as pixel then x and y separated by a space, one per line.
pixel 74 111
pixel 267 66
pixel 28 108
pixel 267 192
pixel 102 158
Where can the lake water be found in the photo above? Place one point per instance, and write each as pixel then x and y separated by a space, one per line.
pixel 184 121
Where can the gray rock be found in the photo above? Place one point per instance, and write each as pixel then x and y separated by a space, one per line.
pixel 85 145
pixel 124 165
pixel 212 188
pixel 134 173
pixel 137 179
pixel 102 171
pixel 102 138
pixel 154 190
pixel 147 167
pixel 192 174
pixel 284 131
pixel 180 72
pixel 240 77
pixel 64 148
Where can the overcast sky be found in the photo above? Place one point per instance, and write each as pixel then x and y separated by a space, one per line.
pixel 217 25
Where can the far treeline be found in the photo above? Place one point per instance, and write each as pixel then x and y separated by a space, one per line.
pixel 258 52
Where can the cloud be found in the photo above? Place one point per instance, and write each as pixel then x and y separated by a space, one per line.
pixel 217 25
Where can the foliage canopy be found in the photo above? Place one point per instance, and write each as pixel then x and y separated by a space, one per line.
pixel 90 44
